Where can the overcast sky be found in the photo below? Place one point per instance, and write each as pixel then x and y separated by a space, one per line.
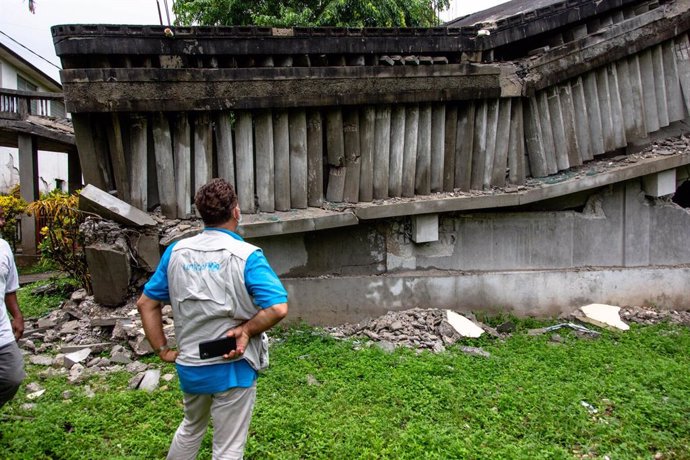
pixel 33 30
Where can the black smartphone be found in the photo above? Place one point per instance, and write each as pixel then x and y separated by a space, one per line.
pixel 218 347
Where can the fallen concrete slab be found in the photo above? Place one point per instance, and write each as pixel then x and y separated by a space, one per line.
pixel 95 200
pixel 606 316
pixel 462 325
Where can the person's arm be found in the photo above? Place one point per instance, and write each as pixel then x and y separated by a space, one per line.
pixel 261 322
pixel 152 320
pixel 17 317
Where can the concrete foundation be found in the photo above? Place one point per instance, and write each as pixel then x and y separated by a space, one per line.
pixel 329 301
pixel 621 247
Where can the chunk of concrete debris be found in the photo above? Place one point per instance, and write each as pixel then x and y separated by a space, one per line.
pixel 462 325
pixel 46 322
pixel 95 347
pixel 386 346
pixel 135 381
pixel 35 395
pixel 33 387
pixel 602 315
pixel 78 295
pixel 476 351
pixel 148 251
pixel 77 374
pixel 109 207
pixel 41 360
pixel 150 380
pixel 70 327
pixel 76 357
pixel 179 235
pixel 141 346
pixel 110 273
pixel 136 367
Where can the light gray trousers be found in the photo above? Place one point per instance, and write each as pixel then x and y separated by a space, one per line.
pixel 231 412
pixel 11 371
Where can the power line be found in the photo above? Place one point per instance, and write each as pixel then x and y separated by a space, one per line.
pixel 30 51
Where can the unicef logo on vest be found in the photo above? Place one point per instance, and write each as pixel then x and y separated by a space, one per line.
pixel 197 267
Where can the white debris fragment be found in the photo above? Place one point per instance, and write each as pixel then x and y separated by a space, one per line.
pixel 462 325
pixel 35 394
pixel 606 316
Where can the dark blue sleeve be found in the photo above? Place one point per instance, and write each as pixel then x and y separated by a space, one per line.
pixel 157 287
pixel 262 282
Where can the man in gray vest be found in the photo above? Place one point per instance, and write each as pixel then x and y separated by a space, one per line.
pixel 218 286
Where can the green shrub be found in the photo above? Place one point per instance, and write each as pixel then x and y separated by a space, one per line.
pixel 14 207
pixel 61 241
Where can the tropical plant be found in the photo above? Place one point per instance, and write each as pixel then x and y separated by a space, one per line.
pixel 13 207
pixel 61 240
pixel 310 13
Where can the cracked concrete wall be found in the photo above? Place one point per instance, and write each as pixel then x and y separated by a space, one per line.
pixel 621 247
pixel 358 250
pixel 618 227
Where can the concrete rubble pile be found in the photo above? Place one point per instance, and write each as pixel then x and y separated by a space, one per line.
pixel 648 316
pixel 430 329
pixel 422 329
pixel 83 338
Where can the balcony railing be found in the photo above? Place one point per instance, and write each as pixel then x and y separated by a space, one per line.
pixel 19 105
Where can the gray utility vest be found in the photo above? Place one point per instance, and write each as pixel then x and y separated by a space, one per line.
pixel 209 297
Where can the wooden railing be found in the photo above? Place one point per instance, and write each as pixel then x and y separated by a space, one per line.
pixel 19 104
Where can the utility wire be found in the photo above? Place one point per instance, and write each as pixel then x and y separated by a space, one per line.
pixel 30 51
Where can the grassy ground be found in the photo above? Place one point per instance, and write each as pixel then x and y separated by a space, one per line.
pixel 328 399
pixel 35 306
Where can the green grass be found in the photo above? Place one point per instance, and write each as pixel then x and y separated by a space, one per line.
pixel 522 403
pixel 42 266
pixel 34 305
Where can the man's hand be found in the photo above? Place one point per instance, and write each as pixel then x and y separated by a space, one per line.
pixel 262 321
pixel 169 356
pixel 18 327
pixel 242 337
pixel 17 317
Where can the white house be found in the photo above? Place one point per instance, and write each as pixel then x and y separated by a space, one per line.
pixel 17 73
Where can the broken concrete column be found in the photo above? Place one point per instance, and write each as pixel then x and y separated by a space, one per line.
pixel 107 206
pixel 110 273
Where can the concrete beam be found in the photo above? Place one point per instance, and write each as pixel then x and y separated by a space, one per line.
pixel 610 44
pixel 150 90
pixel 403 207
pixel 296 221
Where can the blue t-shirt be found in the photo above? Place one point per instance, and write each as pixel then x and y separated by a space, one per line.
pixel 266 290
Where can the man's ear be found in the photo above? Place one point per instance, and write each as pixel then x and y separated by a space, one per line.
pixel 236 213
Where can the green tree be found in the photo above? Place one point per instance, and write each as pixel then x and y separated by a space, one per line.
pixel 310 13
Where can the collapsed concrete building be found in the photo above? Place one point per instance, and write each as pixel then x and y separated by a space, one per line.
pixel 520 159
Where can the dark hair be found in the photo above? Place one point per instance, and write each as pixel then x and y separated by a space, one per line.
pixel 215 201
